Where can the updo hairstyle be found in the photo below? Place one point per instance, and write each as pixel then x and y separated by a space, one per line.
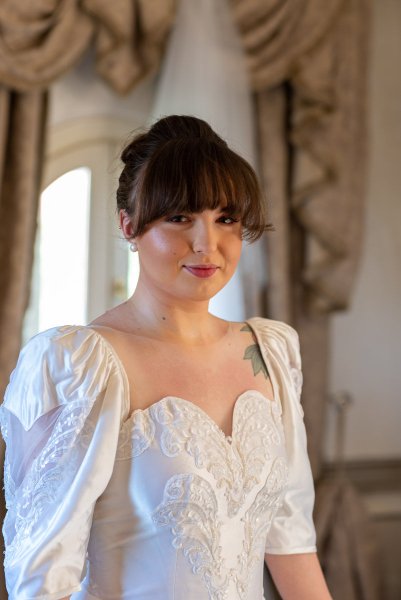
pixel 180 165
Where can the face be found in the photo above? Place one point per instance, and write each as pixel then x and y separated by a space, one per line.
pixel 172 248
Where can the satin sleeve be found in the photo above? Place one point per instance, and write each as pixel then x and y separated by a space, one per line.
pixel 292 530
pixel 60 419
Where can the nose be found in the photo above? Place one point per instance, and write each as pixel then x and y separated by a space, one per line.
pixel 204 237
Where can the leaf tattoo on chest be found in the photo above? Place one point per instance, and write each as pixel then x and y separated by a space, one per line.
pixel 254 354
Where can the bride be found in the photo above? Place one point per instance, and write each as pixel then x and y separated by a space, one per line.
pixel 159 451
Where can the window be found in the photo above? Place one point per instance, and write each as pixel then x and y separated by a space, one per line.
pixel 63 239
pixel 82 265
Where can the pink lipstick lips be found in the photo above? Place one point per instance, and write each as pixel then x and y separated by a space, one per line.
pixel 202 270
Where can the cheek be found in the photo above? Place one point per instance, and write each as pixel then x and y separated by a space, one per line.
pixel 233 248
pixel 161 242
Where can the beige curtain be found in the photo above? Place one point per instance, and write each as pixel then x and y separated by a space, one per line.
pixel 22 119
pixel 22 125
pixel 308 72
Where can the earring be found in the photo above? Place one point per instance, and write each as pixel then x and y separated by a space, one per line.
pixel 133 247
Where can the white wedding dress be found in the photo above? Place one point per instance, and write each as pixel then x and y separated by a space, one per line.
pixel 159 504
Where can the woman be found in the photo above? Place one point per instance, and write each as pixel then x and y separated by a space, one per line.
pixel 160 452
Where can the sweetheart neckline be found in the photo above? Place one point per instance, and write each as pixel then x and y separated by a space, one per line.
pixel 126 385
pixel 250 392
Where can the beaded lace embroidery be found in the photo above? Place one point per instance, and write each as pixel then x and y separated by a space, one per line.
pixel 190 505
pixel 236 467
pixel 239 479
pixel 190 508
pixel 41 486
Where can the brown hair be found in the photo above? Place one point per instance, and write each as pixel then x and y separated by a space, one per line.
pixel 181 165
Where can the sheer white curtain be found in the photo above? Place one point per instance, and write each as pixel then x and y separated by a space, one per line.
pixel 204 74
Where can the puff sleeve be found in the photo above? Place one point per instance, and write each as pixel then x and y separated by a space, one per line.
pixel 60 419
pixel 292 530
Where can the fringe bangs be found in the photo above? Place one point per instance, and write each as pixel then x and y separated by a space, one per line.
pixel 189 175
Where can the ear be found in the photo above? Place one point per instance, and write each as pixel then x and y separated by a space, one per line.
pixel 126 224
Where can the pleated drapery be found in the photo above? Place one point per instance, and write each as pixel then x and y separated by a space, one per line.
pixel 22 127
pixel 23 120
pixel 309 73
pixel 41 40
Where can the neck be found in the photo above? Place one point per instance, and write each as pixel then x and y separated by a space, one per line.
pixel 169 319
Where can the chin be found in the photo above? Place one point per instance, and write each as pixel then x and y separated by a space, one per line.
pixel 206 294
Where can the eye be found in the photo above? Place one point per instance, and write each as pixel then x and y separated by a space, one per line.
pixel 227 219
pixel 179 217
pixel 230 220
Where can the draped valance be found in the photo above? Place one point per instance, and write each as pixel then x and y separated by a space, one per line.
pixel 41 40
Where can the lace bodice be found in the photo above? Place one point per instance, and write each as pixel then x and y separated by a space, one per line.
pixel 155 504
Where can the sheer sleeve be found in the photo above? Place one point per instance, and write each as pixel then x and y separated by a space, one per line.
pixel 60 420
pixel 292 530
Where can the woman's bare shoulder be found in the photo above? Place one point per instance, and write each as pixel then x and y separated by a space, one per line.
pixel 113 327
pixel 114 319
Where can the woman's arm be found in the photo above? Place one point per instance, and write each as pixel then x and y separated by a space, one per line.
pixel 298 576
